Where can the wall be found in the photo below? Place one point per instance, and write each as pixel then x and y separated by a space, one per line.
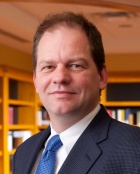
pixel 123 62
pixel 15 59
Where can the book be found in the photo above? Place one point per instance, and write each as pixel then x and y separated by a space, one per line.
pixel 15 138
pixel 138 118
pixel 131 119
pixel 128 113
pixel 43 117
pixel 112 113
pixel 121 115
pixel 25 134
pixel 11 115
pixel 10 140
pixel 15 121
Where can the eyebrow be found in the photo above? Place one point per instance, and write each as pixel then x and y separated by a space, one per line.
pixel 79 59
pixel 76 59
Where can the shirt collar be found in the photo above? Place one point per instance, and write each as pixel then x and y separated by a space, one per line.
pixel 71 135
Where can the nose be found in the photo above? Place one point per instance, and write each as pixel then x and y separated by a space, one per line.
pixel 61 75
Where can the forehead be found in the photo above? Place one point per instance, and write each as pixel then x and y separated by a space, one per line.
pixel 63 37
pixel 64 34
pixel 64 44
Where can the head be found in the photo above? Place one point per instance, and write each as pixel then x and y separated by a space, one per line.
pixel 71 20
pixel 69 66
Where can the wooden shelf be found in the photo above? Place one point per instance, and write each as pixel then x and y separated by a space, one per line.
pixel 12 152
pixel 19 74
pixel 39 104
pixel 21 127
pixel 122 104
pixel 20 102
pixel 43 127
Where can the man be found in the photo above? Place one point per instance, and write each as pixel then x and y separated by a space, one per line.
pixel 69 75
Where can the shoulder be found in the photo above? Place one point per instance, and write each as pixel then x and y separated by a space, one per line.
pixel 123 126
pixel 28 150
pixel 125 132
pixel 119 128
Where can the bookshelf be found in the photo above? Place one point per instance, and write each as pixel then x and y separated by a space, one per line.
pixel 122 96
pixel 20 106
pixel 17 112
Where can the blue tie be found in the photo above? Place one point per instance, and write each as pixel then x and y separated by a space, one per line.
pixel 48 159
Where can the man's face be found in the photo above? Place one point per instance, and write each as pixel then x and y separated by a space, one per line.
pixel 66 77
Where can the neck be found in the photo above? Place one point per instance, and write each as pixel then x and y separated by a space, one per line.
pixel 63 122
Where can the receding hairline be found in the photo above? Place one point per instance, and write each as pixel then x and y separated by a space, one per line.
pixel 63 24
pixel 59 27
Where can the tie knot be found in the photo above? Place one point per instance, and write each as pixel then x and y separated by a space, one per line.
pixel 54 143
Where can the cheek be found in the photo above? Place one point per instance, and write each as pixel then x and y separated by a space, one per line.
pixel 84 83
pixel 41 84
pixel 90 83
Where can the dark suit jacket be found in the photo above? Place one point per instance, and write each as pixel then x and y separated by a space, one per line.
pixel 105 147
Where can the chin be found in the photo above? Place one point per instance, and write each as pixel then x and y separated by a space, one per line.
pixel 62 113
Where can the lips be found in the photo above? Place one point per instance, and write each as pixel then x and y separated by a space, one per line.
pixel 62 94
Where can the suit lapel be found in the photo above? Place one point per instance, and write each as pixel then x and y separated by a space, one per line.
pixel 81 157
pixel 86 151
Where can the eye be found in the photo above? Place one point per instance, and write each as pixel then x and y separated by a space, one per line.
pixel 47 68
pixel 76 66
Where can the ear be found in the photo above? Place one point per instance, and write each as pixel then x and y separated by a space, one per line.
pixel 103 78
pixel 34 80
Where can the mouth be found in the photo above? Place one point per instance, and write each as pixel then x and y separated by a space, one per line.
pixel 62 94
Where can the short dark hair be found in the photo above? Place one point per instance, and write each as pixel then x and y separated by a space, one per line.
pixel 70 19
